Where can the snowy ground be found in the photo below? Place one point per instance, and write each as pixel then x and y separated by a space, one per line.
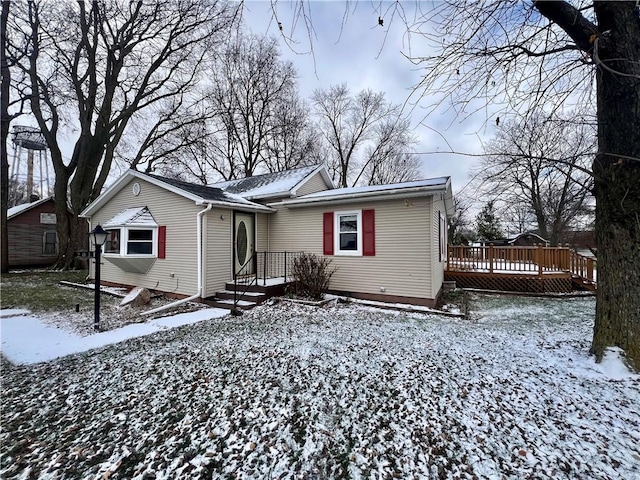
pixel 290 391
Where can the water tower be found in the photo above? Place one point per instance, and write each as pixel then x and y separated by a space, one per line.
pixel 27 141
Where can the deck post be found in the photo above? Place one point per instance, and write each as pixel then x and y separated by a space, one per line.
pixel 590 269
pixel 285 266
pixel 264 268
pixel 540 255
pixel 491 258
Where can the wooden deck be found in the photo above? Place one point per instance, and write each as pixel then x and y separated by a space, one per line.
pixel 520 269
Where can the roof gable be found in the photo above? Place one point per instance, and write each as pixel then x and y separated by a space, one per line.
pixel 132 217
pixel 24 207
pixel 199 194
pixel 273 185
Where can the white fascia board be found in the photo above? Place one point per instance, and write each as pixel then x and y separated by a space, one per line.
pixel 364 196
pixel 252 207
pixel 449 206
pixel 106 195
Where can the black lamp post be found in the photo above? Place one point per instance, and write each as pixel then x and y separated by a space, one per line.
pixel 99 237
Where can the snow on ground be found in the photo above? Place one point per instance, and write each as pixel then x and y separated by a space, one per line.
pixel 345 391
pixel 27 339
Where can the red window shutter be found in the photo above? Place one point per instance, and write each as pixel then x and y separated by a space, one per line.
pixel 162 242
pixel 368 233
pixel 327 237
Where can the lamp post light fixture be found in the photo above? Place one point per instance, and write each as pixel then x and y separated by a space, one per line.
pixel 99 236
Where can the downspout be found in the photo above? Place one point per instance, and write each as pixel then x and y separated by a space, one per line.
pixel 200 293
pixel 199 221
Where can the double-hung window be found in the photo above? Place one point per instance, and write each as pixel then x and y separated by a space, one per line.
pixel 140 241
pixel 350 233
pixel 112 244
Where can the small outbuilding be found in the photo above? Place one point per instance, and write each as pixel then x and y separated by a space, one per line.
pixel 33 240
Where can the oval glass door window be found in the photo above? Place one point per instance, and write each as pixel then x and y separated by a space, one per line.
pixel 241 243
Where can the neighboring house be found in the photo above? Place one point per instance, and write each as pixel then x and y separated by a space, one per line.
pixel 526 239
pixel 387 242
pixel 33 240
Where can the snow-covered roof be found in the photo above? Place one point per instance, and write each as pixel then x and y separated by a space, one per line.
pixel 428 186
pixel 441 181
pixel 18 209
pixel 134 217
pixel 271 185
pixel 208 193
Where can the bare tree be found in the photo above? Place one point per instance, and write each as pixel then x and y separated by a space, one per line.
pixel 255 119
pixel 4 128
pixel 541 163
pixel 251 86
pixel 103 62
pixel 10 108
pixel 522 56
pixel 362 133
pixel 293 141
pixel 459 231
pixel 387 159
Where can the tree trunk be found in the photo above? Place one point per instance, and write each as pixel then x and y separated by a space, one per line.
pixel 617 180
pixel 4 190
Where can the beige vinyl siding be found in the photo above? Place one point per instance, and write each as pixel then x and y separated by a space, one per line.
pixel 402 264
pixel 262 232
pixel 179 216
pixel 314 184
pixel 218 250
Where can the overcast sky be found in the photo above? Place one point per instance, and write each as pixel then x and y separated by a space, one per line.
pixel 349 46
pixel 363 54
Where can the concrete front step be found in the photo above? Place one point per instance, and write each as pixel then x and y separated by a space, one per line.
pixel 253 297
pixel 249 295
pixel 228 303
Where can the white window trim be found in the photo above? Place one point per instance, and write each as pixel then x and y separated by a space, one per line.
pixel 336 234
pixel 443 237
pixel 124 241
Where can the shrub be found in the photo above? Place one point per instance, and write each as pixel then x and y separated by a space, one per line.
pixel 312 274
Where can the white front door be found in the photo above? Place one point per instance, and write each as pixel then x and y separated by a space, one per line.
pixel 244 243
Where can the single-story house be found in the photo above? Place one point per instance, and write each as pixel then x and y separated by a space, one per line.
pixel 31 228
pixel 526 239
pixel 387 242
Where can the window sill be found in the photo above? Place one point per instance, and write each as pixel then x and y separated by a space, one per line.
pixel 348 253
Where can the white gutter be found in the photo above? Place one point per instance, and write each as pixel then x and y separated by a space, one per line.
pixel 249 206
pixel 358 197
pixel 171 305
pixel 200 269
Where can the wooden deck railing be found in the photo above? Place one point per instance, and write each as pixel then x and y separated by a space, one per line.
pixel 532 260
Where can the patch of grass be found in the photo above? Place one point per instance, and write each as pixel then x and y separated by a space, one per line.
pixel 40 290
